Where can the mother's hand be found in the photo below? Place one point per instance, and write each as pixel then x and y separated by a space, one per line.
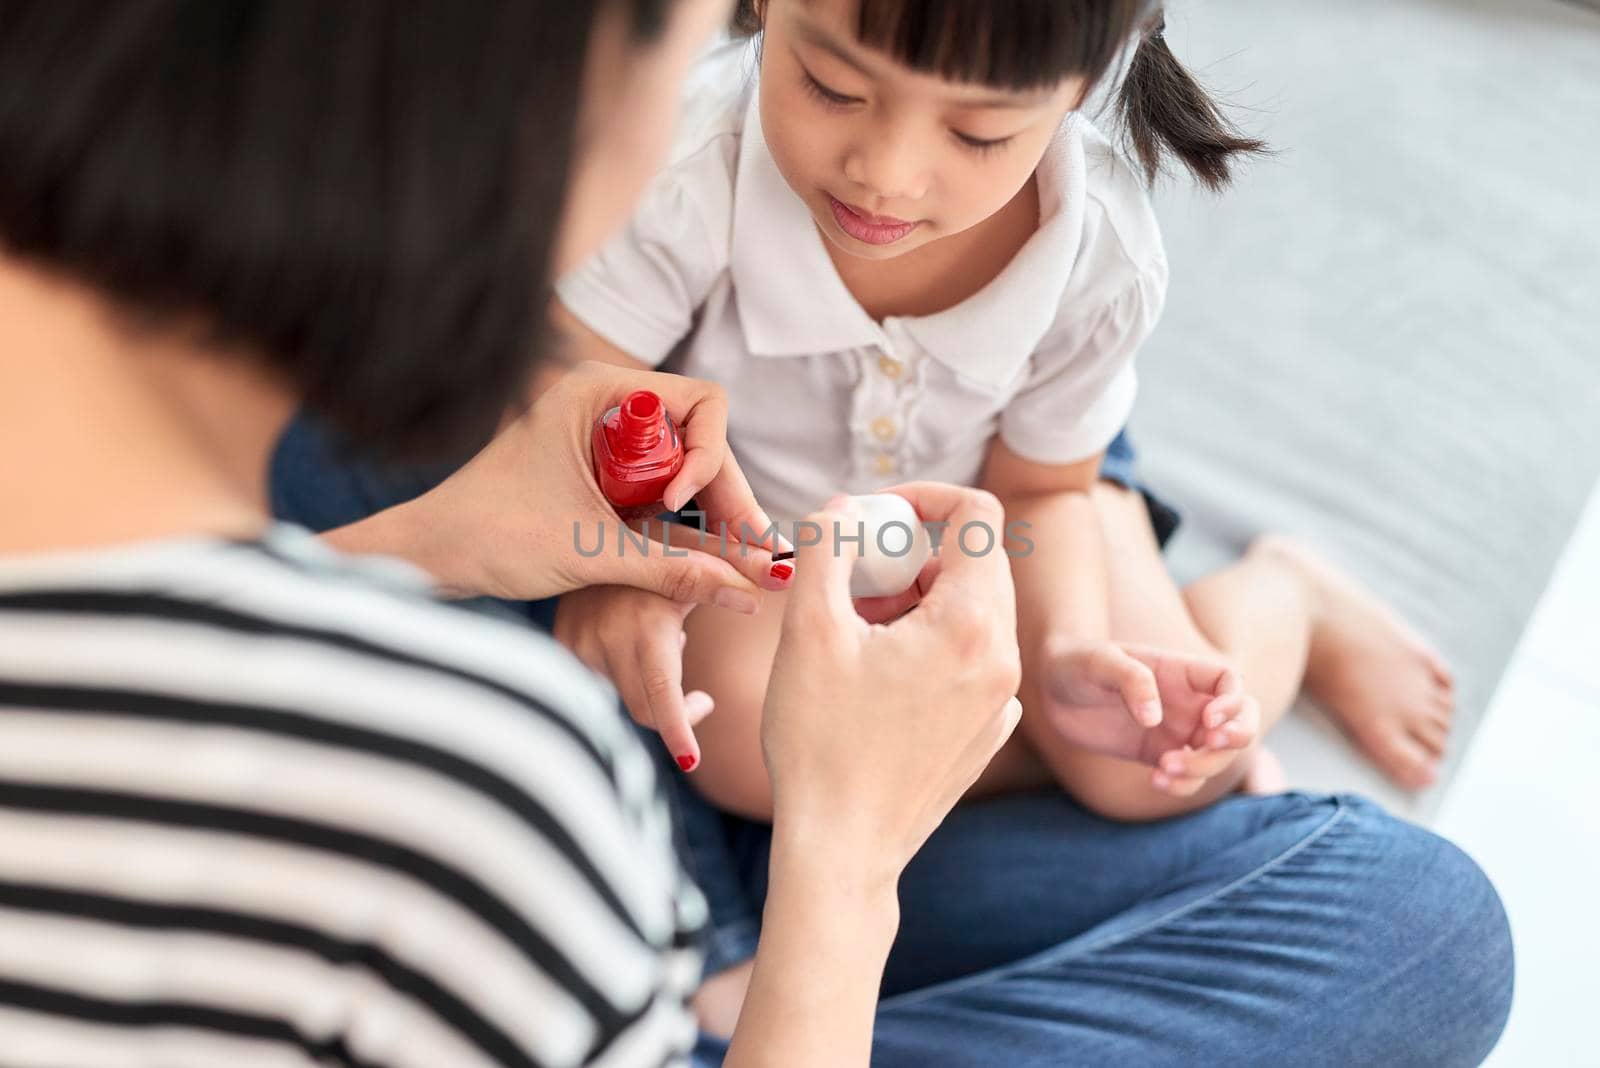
pixel 872 732
pixel 511 522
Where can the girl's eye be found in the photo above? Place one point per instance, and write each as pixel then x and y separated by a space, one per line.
pixel 826 95
pixel 980 145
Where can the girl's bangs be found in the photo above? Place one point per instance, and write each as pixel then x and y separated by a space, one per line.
pixel 1004 44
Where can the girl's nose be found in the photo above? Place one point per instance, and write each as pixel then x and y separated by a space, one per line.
pixel 891 167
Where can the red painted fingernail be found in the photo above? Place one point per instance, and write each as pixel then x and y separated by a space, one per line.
pixel 686 763
pixel 781 572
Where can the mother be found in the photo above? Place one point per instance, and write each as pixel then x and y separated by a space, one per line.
pixel 261 804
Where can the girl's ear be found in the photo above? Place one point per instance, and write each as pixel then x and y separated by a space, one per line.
pixel 1164 110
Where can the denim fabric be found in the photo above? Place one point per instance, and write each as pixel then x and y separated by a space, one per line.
pixel 1121 465
pixel 316 482
pixel 1296 929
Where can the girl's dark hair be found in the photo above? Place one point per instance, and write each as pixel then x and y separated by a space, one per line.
pixel 363 192
pixel 1024 44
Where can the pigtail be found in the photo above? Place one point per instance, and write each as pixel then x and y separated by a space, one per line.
pixel 745 20
pixel 1164 110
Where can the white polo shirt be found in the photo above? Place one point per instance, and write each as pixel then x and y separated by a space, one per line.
pixel 722 269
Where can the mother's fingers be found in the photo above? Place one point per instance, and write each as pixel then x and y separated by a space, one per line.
pixel 729 506
pixel 820 595
pixel 973 571
pixel 890 608
pixel 694 577
pixel 752 561
pixel 700 409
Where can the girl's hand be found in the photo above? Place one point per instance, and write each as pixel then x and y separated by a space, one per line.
pixel 872 732
pixel 635 638
pixel 510 523
pixel 1186 716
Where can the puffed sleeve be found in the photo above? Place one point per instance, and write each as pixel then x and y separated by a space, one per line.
pixel 1080 381
pixel 641 290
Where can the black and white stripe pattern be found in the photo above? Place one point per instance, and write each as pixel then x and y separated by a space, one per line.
pixel 259 807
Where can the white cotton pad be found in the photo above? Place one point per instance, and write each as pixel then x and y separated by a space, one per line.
pixel 894 545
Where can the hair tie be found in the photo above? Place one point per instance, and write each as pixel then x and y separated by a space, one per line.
pixel 1160 32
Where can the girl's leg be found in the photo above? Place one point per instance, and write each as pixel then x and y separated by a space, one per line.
pixel 1268 639
pixel 1283 620
pixel 729 656
pixel 1288 620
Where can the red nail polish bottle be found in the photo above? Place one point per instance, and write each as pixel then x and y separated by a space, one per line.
pixel 637 452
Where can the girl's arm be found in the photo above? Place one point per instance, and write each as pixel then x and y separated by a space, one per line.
pixel 1068 551
pixel 576 343
pixel 1063 601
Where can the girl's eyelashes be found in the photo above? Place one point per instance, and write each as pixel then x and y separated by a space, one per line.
pixel 824 94
pixel 981 145
pixel 834 99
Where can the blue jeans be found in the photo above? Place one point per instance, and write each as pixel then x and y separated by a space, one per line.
pixel 1298 929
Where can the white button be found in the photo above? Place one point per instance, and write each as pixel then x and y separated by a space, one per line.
pixel 883 428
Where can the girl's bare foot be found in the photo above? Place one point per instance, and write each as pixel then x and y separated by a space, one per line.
pixel 1392 693
pixel 1266 774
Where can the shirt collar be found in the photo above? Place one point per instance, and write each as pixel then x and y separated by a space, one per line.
pixel 988 336
pixel 792 301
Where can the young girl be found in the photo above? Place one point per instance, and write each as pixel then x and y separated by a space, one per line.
pixel 906 253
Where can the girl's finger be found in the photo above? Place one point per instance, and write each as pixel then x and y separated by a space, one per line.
pixel 659 656
pixel 1220 710
pixel 1140 695
pixel 1237 720
pixel 1114 671
pixel 1229 737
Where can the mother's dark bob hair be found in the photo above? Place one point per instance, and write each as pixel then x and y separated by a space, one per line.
pixel 362 194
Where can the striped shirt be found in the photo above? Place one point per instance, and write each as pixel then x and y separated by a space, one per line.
pixel 263 805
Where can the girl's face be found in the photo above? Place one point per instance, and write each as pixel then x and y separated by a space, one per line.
pixel 889 159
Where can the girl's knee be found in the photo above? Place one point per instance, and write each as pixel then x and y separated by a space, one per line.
pixel 732 774
pixel 739 788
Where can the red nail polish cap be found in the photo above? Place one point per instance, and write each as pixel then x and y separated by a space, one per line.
pixel 637 453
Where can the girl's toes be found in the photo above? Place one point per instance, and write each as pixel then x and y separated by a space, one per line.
pixel 1406 761
pixel 1441 672
pixel 1431 737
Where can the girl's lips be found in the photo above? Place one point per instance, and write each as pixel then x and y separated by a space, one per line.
pixel 872 229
